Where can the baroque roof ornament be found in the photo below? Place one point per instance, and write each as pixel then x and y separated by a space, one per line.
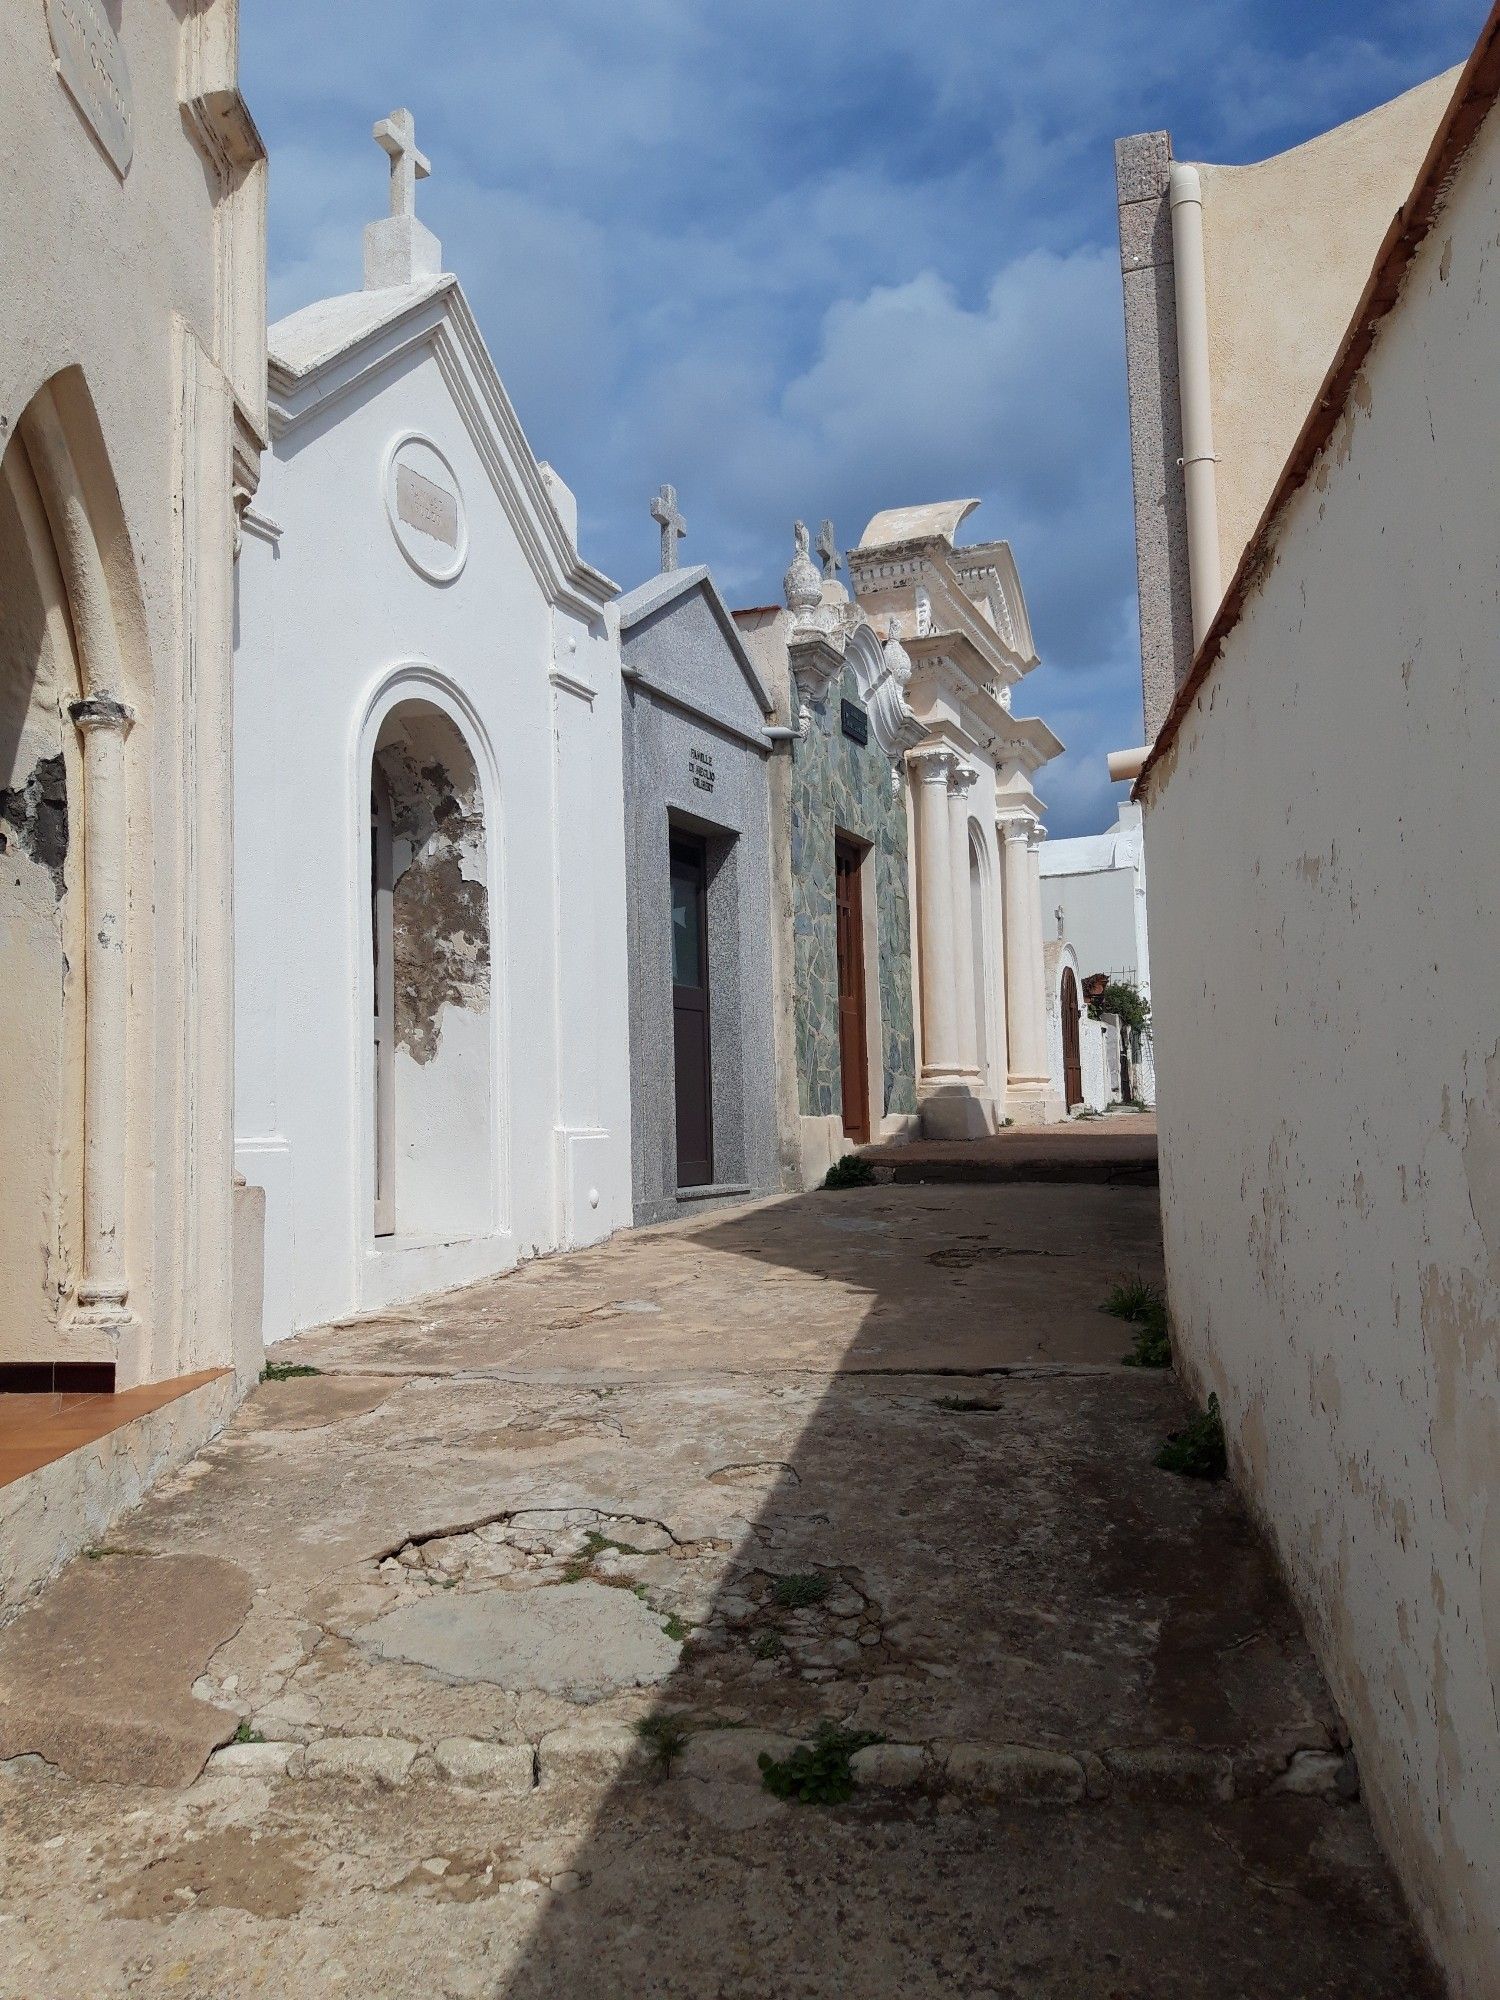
pixel 803 582
pixel 897 659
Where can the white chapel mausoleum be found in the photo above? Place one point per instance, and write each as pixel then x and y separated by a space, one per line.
pixel 432 1050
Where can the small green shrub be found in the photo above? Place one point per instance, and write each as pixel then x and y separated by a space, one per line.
pixel 816 1773
pixel 286 1371
pixel 1197 1450
pixel 245 1734
pixel 795 1593
pixel 768 1645
pixel 850 1172
pixel 1126 1000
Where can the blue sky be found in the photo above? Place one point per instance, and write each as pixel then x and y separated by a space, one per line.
pixel 815 259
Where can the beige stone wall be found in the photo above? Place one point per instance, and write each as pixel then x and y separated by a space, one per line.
pixel 1324 846
pixel 139 297
pixel 1288 245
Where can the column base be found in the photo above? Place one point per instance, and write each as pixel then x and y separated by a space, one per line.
pixel 953 1111
pixel 109 1332
pixel 1033 1100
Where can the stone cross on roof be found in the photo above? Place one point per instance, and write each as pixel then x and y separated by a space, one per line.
pixel 397 135
pixel 673 526
pixel 829 550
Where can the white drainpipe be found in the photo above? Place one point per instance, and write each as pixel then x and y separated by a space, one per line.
pixel 1198 461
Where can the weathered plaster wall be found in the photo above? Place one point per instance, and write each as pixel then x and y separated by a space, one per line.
pixel 1324 850
pixel 837 784
pixel 1288 244
pixel 137 295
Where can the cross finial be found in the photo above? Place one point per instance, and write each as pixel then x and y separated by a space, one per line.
pixel 673 526
pixel 397 135
pixel 829 551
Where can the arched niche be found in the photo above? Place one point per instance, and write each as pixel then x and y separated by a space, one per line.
pixel 431 1027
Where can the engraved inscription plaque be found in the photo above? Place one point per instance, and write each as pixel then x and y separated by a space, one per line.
pixel 425 504
pixel 93 69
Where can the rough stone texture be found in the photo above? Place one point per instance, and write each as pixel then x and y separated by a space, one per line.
pixel 95 1677
pixel 839 784
pixel 576 1639
pixel 876 1455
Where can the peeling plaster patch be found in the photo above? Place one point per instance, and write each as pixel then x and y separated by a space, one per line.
pixel 440 907
pixel 34 818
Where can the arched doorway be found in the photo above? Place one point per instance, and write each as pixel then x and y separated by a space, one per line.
pixel 64 903
pixel 430 1035
pixel 1072 1055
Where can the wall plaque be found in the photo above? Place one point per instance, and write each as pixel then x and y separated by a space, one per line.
pixel 854 722
pixel 701 769
pixel 426 508
pixel 94 72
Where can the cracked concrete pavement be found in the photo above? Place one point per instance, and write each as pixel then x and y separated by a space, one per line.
pixel 355 1701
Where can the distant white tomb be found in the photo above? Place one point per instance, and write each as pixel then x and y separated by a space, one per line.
pixel 431 1034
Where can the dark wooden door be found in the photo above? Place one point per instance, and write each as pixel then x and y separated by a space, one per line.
pixel 854 1067
pixel 1072 1058
pixel 690 1023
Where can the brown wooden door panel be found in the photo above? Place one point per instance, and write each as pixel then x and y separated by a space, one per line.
pixel 854 1066
pixel 1072 1054
pixel 692 1048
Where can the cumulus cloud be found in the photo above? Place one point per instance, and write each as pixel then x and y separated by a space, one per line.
pixel 805 260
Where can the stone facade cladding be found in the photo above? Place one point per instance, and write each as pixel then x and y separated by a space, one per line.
pixel 839 786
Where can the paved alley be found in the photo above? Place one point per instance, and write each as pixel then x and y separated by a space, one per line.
pixel 448 1669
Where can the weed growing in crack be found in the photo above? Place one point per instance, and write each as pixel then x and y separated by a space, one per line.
pixel 245 1734
pixel 817 1773
pixel 768 1645
pixel 795 1593
pixel 286 1371
pixel 665 1736
pixel 1146 1305
pixel 675 1630
pixel 850 1172
pixel 1197 1450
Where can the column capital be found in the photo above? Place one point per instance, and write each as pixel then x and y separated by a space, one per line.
pixel 964 778
pixel 1015 826
pixel 100 711
pixel 933 764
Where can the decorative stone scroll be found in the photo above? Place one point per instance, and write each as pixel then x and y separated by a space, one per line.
pixel 92 66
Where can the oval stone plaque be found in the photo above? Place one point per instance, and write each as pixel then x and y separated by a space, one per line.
pixel 94 72
pixel 426 508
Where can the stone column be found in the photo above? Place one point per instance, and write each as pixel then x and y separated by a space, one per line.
pixel 1038 932
pixel 930 771
pixel 1025 1001
pixel 103 1288
pixel 966 1022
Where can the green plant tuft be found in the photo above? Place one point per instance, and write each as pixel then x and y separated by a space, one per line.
pixel 1197 1450
pixel 675 1630
pixel 817 1773
pixel 850 1172
pixel 795 1593
pixel 665 1736
pixel 1146 1305
pixel 245 1734
pixel 767 1645
pixel 286 1371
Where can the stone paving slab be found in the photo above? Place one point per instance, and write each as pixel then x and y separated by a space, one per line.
pixel 509 1603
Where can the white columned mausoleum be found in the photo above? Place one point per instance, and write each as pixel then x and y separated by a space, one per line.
pixel 432 1044
pixel 960 616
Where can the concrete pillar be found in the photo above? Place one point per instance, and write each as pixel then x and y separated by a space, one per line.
pixel 966 1024
pixel 1025 1000
pixel 930 772
pixel 1038 932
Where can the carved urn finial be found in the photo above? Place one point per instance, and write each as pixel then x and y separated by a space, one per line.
pixel 803 582
pixel 897 659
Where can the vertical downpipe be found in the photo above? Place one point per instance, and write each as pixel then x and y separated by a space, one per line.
pixel 1199 477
